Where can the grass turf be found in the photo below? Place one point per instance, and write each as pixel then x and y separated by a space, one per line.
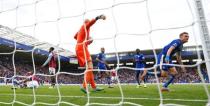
pixel 188 94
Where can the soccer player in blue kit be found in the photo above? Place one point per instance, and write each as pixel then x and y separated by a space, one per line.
pixel 102 66
pixel 165 57
pixel 139 63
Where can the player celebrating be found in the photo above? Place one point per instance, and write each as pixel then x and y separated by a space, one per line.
pixel 51 60
pixel 102 66
pixel 165 57
pixel 83 55
pixel 139 60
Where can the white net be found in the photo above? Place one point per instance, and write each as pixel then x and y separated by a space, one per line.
pixel 130 24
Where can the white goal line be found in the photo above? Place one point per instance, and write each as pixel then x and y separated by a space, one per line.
pixel 106 97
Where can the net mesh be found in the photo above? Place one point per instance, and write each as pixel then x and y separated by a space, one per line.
pixel 83 10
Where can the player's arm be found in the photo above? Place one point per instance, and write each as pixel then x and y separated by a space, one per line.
pixel 142 59
pixel 167 58
pixel 89 41
pixel 47 61
pixel 179 60
pixel 135 59
pixel 98 60
pixel 75 36
pixel 89 24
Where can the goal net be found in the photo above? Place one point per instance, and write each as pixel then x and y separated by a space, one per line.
pixel 130 24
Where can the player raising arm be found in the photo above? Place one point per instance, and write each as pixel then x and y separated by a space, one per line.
pixel 83 55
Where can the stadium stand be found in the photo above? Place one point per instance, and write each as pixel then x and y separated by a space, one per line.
pixel 23 61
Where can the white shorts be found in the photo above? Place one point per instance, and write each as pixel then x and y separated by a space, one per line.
pixel 5 79
pixel 114 78
pixel 31 84
pixel 52 70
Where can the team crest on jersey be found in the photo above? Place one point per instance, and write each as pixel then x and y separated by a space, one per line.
pixel 175 44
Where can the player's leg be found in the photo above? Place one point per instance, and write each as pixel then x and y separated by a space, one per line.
pixel 83 58
pixel 99 74
pixel 82 63
pixel 86 80
pixel 143 79
pixel 108 77
pixel 89 77
pixel 158 70
pixel 137 77
pixel 52 72
pixel 172 72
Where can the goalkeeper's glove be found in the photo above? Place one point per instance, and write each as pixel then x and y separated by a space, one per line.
pixel 98 17
pixel 167 58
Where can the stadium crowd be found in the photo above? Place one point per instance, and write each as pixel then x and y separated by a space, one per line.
pixel 125 75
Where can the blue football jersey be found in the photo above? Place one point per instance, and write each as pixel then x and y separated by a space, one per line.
pixel 101 57
pixel 177 44
pixel 139 60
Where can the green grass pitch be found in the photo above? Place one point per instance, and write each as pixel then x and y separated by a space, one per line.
pixel 187 94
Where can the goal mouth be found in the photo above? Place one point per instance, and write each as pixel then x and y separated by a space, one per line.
pixel 29 28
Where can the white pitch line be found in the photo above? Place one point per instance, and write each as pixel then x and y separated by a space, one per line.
pixel 128 98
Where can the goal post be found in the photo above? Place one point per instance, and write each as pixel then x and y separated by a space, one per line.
pixel 204 33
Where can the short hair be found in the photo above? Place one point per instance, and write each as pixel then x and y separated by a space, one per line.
pixel 51 49
pixel 137 50
pixel 182 34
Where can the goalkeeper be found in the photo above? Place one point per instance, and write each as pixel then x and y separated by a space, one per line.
pixel 83 55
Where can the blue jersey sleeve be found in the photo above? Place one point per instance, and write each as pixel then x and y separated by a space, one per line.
pixel 99 56
pixel 175 43
pixel 136 57
pixel 142 57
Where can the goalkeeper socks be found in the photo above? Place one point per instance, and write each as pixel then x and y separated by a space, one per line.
pixel 169 81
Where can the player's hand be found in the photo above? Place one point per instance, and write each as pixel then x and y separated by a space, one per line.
pixel 167 59
pixel 90 40
pixel 103 17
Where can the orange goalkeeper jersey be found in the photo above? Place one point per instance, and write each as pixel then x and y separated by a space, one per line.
pixel 82 44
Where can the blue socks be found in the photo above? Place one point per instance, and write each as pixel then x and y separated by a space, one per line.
pixel 169 81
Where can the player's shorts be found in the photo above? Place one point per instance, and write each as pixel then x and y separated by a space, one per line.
pixel 52 70
pixel 102 67
pixel 32 84
pixel 161 61
pixel 114 78
pixel 5 79
pixel 142 69
pixel 83 55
